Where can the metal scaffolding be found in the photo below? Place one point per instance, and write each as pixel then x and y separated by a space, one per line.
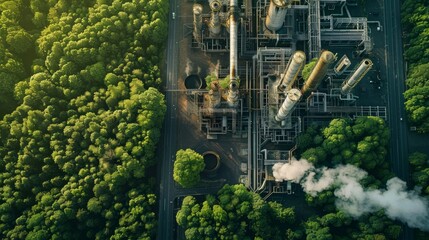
pixel 314 38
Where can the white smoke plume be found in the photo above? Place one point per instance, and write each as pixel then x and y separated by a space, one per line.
pixel 395 200
pixel 189 67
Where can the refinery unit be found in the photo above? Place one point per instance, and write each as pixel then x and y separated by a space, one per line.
pixel 259 95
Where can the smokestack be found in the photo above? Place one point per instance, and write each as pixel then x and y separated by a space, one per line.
pixel 276 14
pixel 233 84
pixel 319 72
pixel 356 76
pixel 215 26
pixel 291 71
pixel 214 94
pixel 292 98
pixel 197 10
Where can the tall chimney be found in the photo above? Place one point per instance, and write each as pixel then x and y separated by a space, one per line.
pixel 233 84
pixel 215 26
pixel 197 10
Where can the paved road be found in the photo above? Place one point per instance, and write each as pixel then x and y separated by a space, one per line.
pixel 169 144
pixel 396 87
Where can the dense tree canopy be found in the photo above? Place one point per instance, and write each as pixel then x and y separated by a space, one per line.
pixel 419 163
pixel 417 96
pixel 187 167
pixel 363 143
pixel 236 213
pixel 74 154
pixel 415 21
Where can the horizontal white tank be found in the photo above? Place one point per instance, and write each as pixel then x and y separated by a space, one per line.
pixel 292 98
pixel 296 62
pixel 276 14
pixel 342 65
pixel 356 76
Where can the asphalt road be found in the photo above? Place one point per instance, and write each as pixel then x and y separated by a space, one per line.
pixel 396 87
pixel 169 144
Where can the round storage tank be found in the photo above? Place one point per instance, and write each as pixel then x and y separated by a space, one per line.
pixel 212 161
pixel 193 81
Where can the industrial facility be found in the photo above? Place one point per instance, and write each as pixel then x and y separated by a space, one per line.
pixel 291 63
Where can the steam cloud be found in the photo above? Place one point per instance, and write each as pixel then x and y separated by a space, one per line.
pixel 398 203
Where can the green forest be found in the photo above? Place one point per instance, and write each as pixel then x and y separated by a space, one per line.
pixel 236 213
pixel 81 117
pixel 415 22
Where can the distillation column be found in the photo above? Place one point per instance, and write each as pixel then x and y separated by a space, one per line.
pixel 356 76
pixel 198 19
pixel 233 59
pixel 319 72
pixel 215 94
pixel 215 26
pixel 292 98
pixel 296 62
pixel 276 14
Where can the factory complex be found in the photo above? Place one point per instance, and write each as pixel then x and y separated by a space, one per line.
pixel 259 72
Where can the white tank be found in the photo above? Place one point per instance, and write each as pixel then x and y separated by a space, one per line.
pixel 292 98
pixel 356 76
pixel 291 72
pixel 342 65
pixel 276 14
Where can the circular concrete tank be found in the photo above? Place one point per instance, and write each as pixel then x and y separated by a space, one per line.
pixel 193 81
pixel 212 162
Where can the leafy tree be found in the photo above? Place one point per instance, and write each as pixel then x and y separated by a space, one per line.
pixel 187 167
pixel 308 68
pixel 76 151
pixel 236 213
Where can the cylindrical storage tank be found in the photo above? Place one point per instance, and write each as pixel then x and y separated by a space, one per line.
pixel 276 14
pixel 291 72
pixel 356 76
pixel 292 98
pixel 193 81
pixel 197 10
pixel 319 72
pixel 212 162
pixel 342 65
